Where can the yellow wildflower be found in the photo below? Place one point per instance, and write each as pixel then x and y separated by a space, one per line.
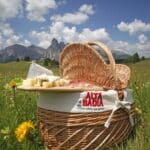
pixel 23 130
pixel 13 84
pixel 139 111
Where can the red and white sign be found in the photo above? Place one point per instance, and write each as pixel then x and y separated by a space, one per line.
pixel 92 100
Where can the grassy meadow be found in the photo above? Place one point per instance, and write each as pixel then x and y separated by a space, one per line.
pixel 17 107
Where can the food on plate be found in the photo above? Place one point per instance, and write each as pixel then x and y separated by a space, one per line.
pixel 47 81
pixel 47 84
pixel 29 82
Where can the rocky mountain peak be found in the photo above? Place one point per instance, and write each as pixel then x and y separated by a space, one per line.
pixel 54 42
pixel 54 49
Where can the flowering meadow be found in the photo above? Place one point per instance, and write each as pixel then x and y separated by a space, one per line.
pixel 18 122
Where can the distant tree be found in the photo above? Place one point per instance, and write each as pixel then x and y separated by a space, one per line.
pixel 46 62
pixel 17 60
pixel 135 58
pixel 54 62
pixel 27 58
pixel 142 58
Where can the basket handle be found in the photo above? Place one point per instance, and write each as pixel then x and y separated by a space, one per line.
pixel 109 55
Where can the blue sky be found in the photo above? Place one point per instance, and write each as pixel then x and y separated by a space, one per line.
pixel 121 24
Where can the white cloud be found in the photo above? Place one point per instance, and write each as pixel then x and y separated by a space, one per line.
pixel 73 18
pixel 68 34
pixel 63 33
pixel 137 26
pixel 6 29
pixel 61 2
pixel 38 8
pixel 56 29
pixel 26 42
pixel 9 9
pixel 7 34
pixel 16 39
pixel 93 35
pixel 42 38
pixel 9 37
pixel 119 45
pixel 142 39
pixel 12 40
pixel 87 9
pixel 142 48
pixel 78 17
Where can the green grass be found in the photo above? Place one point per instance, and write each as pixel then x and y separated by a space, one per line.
pixel 23 108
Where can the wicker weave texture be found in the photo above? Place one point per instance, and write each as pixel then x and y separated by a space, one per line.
pixel 82 62
pixel 85 131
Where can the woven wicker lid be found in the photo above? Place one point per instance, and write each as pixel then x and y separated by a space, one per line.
pixel 82 62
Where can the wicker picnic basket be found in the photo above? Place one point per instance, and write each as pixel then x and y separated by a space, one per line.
pixel 86 131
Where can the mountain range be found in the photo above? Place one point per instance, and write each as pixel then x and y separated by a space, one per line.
pixel 15 51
